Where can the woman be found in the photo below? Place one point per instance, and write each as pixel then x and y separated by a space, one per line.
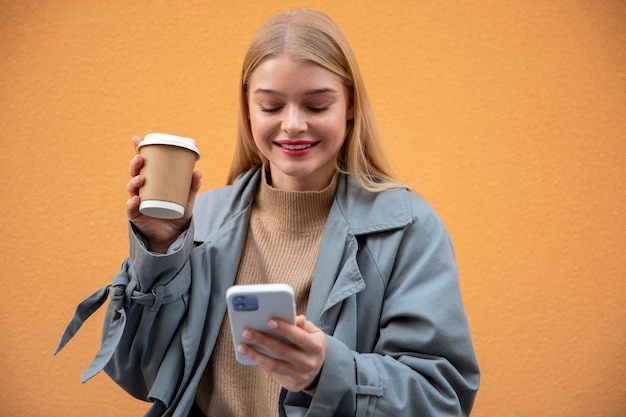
pixel 311 201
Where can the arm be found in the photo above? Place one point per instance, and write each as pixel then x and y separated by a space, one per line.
pixel 137 331
pixel 148 300
pixel 145 321
pixel 154 303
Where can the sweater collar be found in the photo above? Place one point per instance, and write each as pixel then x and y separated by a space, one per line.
pixel 293 211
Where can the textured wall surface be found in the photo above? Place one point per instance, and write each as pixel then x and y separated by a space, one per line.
pixel 508 116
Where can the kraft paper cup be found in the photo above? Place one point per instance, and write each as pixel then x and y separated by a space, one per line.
pixel 167 170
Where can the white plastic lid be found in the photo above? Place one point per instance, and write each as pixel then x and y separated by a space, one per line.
pixel 161 209
pixel 173 140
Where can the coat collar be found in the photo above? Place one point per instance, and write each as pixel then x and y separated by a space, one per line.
pixel 371 212
pixel 362 211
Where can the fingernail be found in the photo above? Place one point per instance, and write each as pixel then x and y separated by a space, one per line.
pixel 273 324
pixel 247 335
pixel 242 349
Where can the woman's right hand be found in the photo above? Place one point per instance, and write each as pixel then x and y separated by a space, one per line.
pixel 159 233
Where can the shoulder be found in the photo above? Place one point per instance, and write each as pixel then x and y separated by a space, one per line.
pixel 421 210
pixel 214 208
pixel 368 211
pixel 240 193
pixel 209 199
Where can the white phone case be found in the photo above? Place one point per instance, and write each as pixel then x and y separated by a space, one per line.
pixel 252 306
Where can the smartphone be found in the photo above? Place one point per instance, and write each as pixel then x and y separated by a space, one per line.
pixel 252 306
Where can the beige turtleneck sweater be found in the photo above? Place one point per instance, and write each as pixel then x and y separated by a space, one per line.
pixel 281 247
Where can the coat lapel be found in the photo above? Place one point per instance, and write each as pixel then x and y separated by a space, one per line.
pixel 336 258
pixel 355 212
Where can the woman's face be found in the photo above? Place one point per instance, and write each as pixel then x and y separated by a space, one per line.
pixel 298 114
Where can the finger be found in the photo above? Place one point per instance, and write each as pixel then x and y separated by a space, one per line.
pixel 281 371
pixel 134 185
pixel 135 165
pixel 299 334
pixel 301 321
pixel 309 340
pixel 132 208
pixel 291 375
pixel 310 327
pixel 280 351
pixel 305 353
pixel 196 182
pixel 251 353
pixel 136 141
pixel 291 366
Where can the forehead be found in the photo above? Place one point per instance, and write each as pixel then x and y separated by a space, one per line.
pixel 282 72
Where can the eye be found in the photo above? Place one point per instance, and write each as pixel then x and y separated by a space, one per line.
pixel 317 109
pixel 270 109
pixel 269 106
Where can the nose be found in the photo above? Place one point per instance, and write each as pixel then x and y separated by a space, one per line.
pixel 294 121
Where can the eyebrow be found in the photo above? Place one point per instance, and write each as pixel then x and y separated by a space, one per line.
pixel 313 92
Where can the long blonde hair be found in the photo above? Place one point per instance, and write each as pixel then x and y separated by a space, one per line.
pixel 313 36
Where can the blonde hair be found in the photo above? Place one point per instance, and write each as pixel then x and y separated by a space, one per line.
pixel 312 36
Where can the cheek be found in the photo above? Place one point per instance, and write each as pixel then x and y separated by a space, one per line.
pixel 261 132
pixel 256 127
pixel 254 122
pixel 337 127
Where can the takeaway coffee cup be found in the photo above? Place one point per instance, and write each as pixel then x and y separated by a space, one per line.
pixel 167 170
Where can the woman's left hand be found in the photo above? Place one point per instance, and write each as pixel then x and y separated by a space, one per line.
pixel 297 366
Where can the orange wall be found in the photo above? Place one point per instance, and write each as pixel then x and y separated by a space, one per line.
pixel 509 117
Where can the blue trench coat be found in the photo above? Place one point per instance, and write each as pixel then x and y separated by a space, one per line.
pixel 385 291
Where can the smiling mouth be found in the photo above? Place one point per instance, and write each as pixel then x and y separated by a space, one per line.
pixel 296 147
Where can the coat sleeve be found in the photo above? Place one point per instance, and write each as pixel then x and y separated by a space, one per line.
pixel 423 361
pixel 155 301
